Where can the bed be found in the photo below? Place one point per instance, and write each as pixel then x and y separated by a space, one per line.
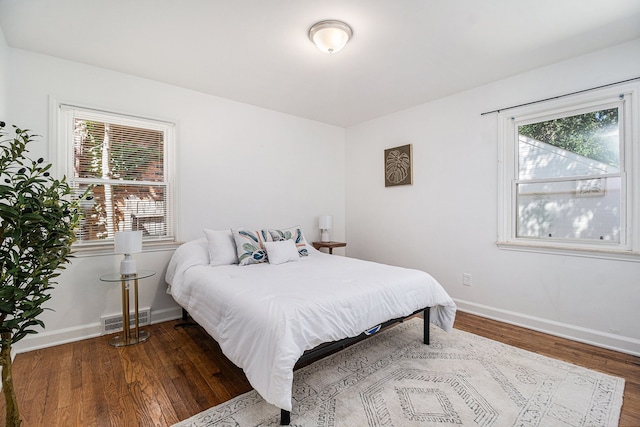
pixel 265 316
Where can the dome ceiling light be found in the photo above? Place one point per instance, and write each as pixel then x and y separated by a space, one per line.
pixel 330 36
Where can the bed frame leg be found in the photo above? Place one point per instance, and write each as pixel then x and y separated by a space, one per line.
pixel 426 326
pixel 285 417
pixel 186 323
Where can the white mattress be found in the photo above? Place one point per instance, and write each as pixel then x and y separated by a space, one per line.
pixel 265 316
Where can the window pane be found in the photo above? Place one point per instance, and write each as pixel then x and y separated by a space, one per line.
pixel 584 144
pixel 112 208
pixel 575 209
pixel 112 151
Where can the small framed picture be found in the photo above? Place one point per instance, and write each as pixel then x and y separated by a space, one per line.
pixel 398 167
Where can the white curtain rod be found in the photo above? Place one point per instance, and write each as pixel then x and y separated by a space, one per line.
pixel 559 96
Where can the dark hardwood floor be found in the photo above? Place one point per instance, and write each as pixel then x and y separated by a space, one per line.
pixel 180 372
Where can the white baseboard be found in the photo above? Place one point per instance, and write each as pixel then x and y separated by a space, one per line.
pixel 576 333
pixel 49 338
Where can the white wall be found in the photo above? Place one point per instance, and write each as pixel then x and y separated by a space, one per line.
pixel 446 223
pixel 237 165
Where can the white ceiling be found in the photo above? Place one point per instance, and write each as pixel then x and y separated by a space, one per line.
pixel 403 52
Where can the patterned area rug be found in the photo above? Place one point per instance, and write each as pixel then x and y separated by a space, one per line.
pixel 392 379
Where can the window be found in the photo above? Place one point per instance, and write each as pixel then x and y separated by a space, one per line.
pixel 567 170
pixel 123 164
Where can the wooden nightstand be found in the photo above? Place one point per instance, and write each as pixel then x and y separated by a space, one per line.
pixel 329 245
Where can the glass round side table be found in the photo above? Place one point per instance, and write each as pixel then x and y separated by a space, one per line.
pixel 135 336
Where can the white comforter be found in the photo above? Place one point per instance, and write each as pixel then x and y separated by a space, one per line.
pixel 265 316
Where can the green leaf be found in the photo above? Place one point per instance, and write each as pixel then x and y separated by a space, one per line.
pixel 6 307
pixel 32 217
pixel 8 211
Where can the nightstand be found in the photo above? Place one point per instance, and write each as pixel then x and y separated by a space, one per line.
pixel 128 336
pixel 328 245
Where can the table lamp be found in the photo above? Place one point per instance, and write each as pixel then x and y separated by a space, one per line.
pixel 127 243
pixel 325 222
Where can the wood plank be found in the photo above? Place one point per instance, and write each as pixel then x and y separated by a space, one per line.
pixel 112 385
pixel 64 383
pixel 93 408
pixel 159 348
pixel 178 373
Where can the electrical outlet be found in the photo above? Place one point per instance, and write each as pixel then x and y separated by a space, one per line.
pixel 466 279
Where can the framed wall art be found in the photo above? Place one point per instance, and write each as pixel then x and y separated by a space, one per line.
pixel 398 167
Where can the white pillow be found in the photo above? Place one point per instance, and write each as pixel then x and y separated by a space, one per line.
pixel 222 247
pixel 281 251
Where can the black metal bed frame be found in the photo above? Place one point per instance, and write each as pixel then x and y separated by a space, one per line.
pixel 323 349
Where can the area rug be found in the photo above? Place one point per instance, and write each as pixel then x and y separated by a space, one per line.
pixel 392 379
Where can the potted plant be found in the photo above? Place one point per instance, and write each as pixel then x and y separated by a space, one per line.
pixel 37 227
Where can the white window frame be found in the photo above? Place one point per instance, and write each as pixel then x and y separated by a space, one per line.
pixel 62 144
pixel 508 121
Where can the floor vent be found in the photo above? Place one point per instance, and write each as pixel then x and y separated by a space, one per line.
pixel 112 324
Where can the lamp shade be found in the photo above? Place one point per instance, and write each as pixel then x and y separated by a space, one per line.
pixel 128 242
pixel 330 36
pixel 325 222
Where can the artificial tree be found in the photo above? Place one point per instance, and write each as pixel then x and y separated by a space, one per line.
pixel 38 220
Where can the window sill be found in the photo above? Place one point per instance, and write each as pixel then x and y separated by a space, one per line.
pixel 609 254
pixel 107 249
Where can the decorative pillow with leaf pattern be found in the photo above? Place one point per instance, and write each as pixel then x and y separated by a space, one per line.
pixel 293 233
pixel 250 245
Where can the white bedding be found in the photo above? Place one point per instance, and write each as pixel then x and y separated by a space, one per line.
pixel 265 316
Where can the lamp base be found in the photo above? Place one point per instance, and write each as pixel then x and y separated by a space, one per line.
pixel 324 236
pixel 128 265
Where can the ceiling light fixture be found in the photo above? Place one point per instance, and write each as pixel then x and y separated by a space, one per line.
pixel 330 36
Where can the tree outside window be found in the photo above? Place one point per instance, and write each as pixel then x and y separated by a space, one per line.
pixel 123 164
pixel 567 170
